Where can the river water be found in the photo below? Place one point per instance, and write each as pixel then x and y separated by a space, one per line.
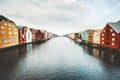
pixel 58 59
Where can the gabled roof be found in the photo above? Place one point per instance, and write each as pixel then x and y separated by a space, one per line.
pixel 115 26
pixel 4 18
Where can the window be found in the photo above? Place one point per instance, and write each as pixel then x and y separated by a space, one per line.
pixel 9 25
pixel 2 32
pixel 5 41
pixel 10 41
pixel 113 34
pixel 113 39
pixel 10 33
pixel 3 37
pixel 102 34
pixel 113 44
pixel 5 24
pixel 102 38
pixel 15 32
pixel 9 28
pixel 102 42
pixel 111 30
pixel 2 27
pixel 12 25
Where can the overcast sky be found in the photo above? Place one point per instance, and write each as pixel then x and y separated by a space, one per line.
pixel 61 16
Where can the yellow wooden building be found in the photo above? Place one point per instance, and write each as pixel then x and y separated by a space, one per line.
pixel 96 36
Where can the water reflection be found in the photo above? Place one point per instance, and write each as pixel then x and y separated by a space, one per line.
pixel 58 59
pixel 110 58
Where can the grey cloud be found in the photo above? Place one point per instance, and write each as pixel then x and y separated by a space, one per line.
pixel 60 15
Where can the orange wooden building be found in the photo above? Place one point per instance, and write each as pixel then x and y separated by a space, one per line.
pixel 90 36
pixel 8 32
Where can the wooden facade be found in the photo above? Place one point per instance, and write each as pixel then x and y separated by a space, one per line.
pixel 36 35
pixel 8 32
pixel 76 35
pixel 110 36
pixel 84 36
pixel 22 35
pixel 90 36
pixel 96 36
pixel 25 35
pixel 45 35
pixel 73 35
pixel 39 35
pixel 87 36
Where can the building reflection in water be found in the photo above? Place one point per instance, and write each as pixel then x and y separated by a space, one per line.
pixel 11 57
pixel 15 52
pixel 109 57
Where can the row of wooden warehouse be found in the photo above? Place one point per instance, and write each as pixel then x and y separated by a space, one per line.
pixel 108 37
pixel 11 34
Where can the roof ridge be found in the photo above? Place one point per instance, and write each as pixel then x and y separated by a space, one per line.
pixel 4 18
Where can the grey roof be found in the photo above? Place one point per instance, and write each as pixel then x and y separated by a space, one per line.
pixel 4 18
pixel 115 26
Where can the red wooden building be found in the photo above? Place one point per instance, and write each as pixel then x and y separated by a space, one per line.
pixel 22 34
pixel 76 35
pixel 36 35
pixel 110 36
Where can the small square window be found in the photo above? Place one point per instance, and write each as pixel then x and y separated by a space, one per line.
pixel 9 28
pixel 9 25
pixel 10 33
pixel 102 38
pixel 113 39
pixel 111 30
pixel 113 34
pixel 2 32
pixel 102 34
pixel 3 37
pixel 113 44
pixel 102 42
pixel 5 24
pixel 10 41
pixel 15 32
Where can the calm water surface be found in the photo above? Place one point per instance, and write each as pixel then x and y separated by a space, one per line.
pixel 58 59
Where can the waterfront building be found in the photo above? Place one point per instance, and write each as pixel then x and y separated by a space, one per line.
pixel 96 36
pixel 8 32
pixel 110 35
